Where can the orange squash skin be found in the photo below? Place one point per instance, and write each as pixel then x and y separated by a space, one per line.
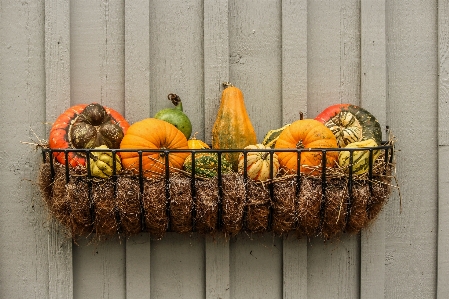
pixel 151 133
pixel 306 133
pixel 232 128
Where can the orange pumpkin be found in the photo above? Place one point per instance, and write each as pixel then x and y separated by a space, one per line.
pixel 305 134
pixel 148 134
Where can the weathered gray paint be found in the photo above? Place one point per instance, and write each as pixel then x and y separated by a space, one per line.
pixel 287 56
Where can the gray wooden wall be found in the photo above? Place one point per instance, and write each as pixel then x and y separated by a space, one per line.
pixel 391 57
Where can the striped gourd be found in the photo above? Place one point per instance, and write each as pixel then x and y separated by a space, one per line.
pixel 360 163
pixel 258 163
pixel 350 123
pixel 272 136
pixel 206 164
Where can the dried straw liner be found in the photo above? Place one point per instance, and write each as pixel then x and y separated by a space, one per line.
pixel 124 206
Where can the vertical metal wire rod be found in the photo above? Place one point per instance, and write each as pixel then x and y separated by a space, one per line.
pixel 350 186
pixel 220 192
pixel 193 191
pixel 167 187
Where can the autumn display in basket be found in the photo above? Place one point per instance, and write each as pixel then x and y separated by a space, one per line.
pixel 104 177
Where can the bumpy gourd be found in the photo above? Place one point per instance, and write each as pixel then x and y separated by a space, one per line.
pixel 360 159
pixel 176 116
pixel 102 163
pixel 258 163
pixel 197 143
pixel 206 164
pixel 232 128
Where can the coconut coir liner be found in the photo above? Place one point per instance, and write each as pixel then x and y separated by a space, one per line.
pixel 107 207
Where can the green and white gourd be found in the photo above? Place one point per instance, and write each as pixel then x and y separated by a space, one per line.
pixel 360 163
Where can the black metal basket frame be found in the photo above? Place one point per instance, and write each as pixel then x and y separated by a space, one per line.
pixel 387 147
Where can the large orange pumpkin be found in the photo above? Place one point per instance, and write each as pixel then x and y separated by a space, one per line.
pixel 305 134
pixel 148 134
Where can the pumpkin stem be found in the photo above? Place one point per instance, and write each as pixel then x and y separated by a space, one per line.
pixel 194 136
pixel 176 100
pixel 300 144
pixel 227 84
pixel 301 115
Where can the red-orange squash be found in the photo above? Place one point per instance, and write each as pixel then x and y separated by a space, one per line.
pixel 86 126
pixel 305 134
pixel 150 134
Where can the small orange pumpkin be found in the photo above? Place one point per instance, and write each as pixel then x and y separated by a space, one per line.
pixel 304 134
pixel 152 133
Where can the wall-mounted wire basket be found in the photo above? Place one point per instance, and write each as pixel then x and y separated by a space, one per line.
pixel 331 202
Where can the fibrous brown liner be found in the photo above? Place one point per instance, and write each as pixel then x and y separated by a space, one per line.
pixel 335 208
pixel 155 206
pixel 285 216
pixel 129 205
pixel 257 207
pixel 181 204
pixel 206 206
pixel 309 207
pixel 233 203
pixel 103 207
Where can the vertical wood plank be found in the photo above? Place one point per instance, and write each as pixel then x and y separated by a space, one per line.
pixel 177 263
pixel 97 75
pixel 443 149
pixel 176 66
pixel 373 98
pixel 137 107
pixel 216 59
pixel 137 60
pixel 256 266
pixel 333 77
pixel 57 71
pixel 255 60
pixel 216 71
pixel 411 233
pixel 176 51
pixel 294 99
pixel 255 66
pixel 24 254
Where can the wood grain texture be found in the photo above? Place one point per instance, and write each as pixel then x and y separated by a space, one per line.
pixel 138 267
pixel 443 149
pixel 216 60
pixel 137 60
pixel 97 75
pixel 256 261
pixel 333 77
pixel 24 259
pixel 294 100
pixel 374 99
pixel 411 233
pixel 57 73
pixel 255 60
pixel 217 268
pixel 216 71
pixel 137 107
pixel 176 51
pixel 177 267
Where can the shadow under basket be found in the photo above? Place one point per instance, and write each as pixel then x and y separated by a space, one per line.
pixel 334 202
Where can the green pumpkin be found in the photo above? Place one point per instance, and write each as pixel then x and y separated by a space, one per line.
pixel 176 116
pixel 206 164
